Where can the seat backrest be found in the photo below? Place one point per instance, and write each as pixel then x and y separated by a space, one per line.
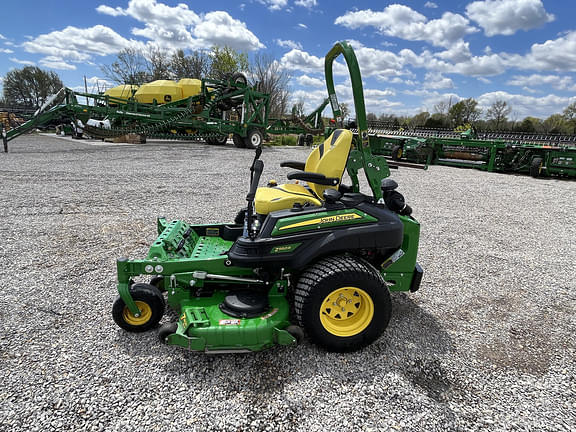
pixel 330 158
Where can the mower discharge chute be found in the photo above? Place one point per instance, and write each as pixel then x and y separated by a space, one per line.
pixel 315 258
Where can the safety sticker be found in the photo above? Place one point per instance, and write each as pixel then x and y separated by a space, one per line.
pixel 229 322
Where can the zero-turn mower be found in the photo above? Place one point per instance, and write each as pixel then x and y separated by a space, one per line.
pixel 315 257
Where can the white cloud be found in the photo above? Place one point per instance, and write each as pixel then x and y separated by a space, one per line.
pixel 6 51
pixel 555 81
pixel 305 80
pixel 288 44
pixel 430 5
pixel 22 62
pixel 2 37
pixel 274 4
pixel 304 26
pixel 434 80
pixel 459 52
pixel 107 10
pixel 178 26
pixel 558 55
pixel 56 63
pixel 79 44
pixel 306 3
pixel 527 105
pixel 405 23
pixel 165 26
pixel 506 17
pixel 302 61
pixel 219 28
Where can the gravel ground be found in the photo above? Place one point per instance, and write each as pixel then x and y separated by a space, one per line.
pixel 486 344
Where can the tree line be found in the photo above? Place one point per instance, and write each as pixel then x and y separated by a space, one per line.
pixel 496 118
pixel 30 86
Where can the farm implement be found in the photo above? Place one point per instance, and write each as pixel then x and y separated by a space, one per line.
pixel 214 111
pixel 534 154
pixel 316 257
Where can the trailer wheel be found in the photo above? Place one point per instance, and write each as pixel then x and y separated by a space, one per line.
pixel 254 139
pixel 309 140
pixel 238 78
pixel 397 152
pixel 219 140
pixel 342 303
pixel 151 303
pixel 238 141
pixel 301 140
pixel 536 167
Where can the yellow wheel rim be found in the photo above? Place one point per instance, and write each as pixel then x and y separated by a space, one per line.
pixel 145 314
pixel 346 311
pixel 399 153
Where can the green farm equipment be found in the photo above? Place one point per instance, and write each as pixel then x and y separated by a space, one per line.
pixel 218 110
pixel 317 257
pixel 534 154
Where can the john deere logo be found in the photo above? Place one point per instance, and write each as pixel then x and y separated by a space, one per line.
pixel 339 218
pixel 323 220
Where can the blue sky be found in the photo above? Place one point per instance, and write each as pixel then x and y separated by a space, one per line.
pixel 413 54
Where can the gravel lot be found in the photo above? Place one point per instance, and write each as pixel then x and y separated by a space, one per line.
pixel 486 344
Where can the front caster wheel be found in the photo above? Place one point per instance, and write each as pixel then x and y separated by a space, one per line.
pixel 343 303
pixel 166 330
pixel 151 303
pixel 296 332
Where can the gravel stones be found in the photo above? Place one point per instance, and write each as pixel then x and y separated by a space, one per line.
pixel 486 344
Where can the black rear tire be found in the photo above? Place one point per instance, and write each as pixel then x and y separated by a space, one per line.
pixel 151 303
pixel 536 167
pixel 343 303
pixel 238 141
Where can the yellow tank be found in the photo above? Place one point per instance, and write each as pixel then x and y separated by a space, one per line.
pixel 190 87
pixel 163 91
pixel 124 91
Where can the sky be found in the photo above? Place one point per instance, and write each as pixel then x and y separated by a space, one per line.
pixel 413 54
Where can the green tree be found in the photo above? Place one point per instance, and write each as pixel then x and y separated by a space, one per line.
pixel 465 111
pixel 570 116
pixel 195 65
pixel 371 117
pixel 225 61
pixel 556 123
pixel 498 113
pixel 30 86
pixel 419 119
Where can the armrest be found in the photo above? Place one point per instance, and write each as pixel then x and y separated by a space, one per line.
pixel 311 177
pixel 293 164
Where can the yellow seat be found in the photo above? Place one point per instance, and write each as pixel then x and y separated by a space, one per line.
pixel 328 159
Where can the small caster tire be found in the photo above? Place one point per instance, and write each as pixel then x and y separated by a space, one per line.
pixel 166 330
pixel 296 332
pixel 151 303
